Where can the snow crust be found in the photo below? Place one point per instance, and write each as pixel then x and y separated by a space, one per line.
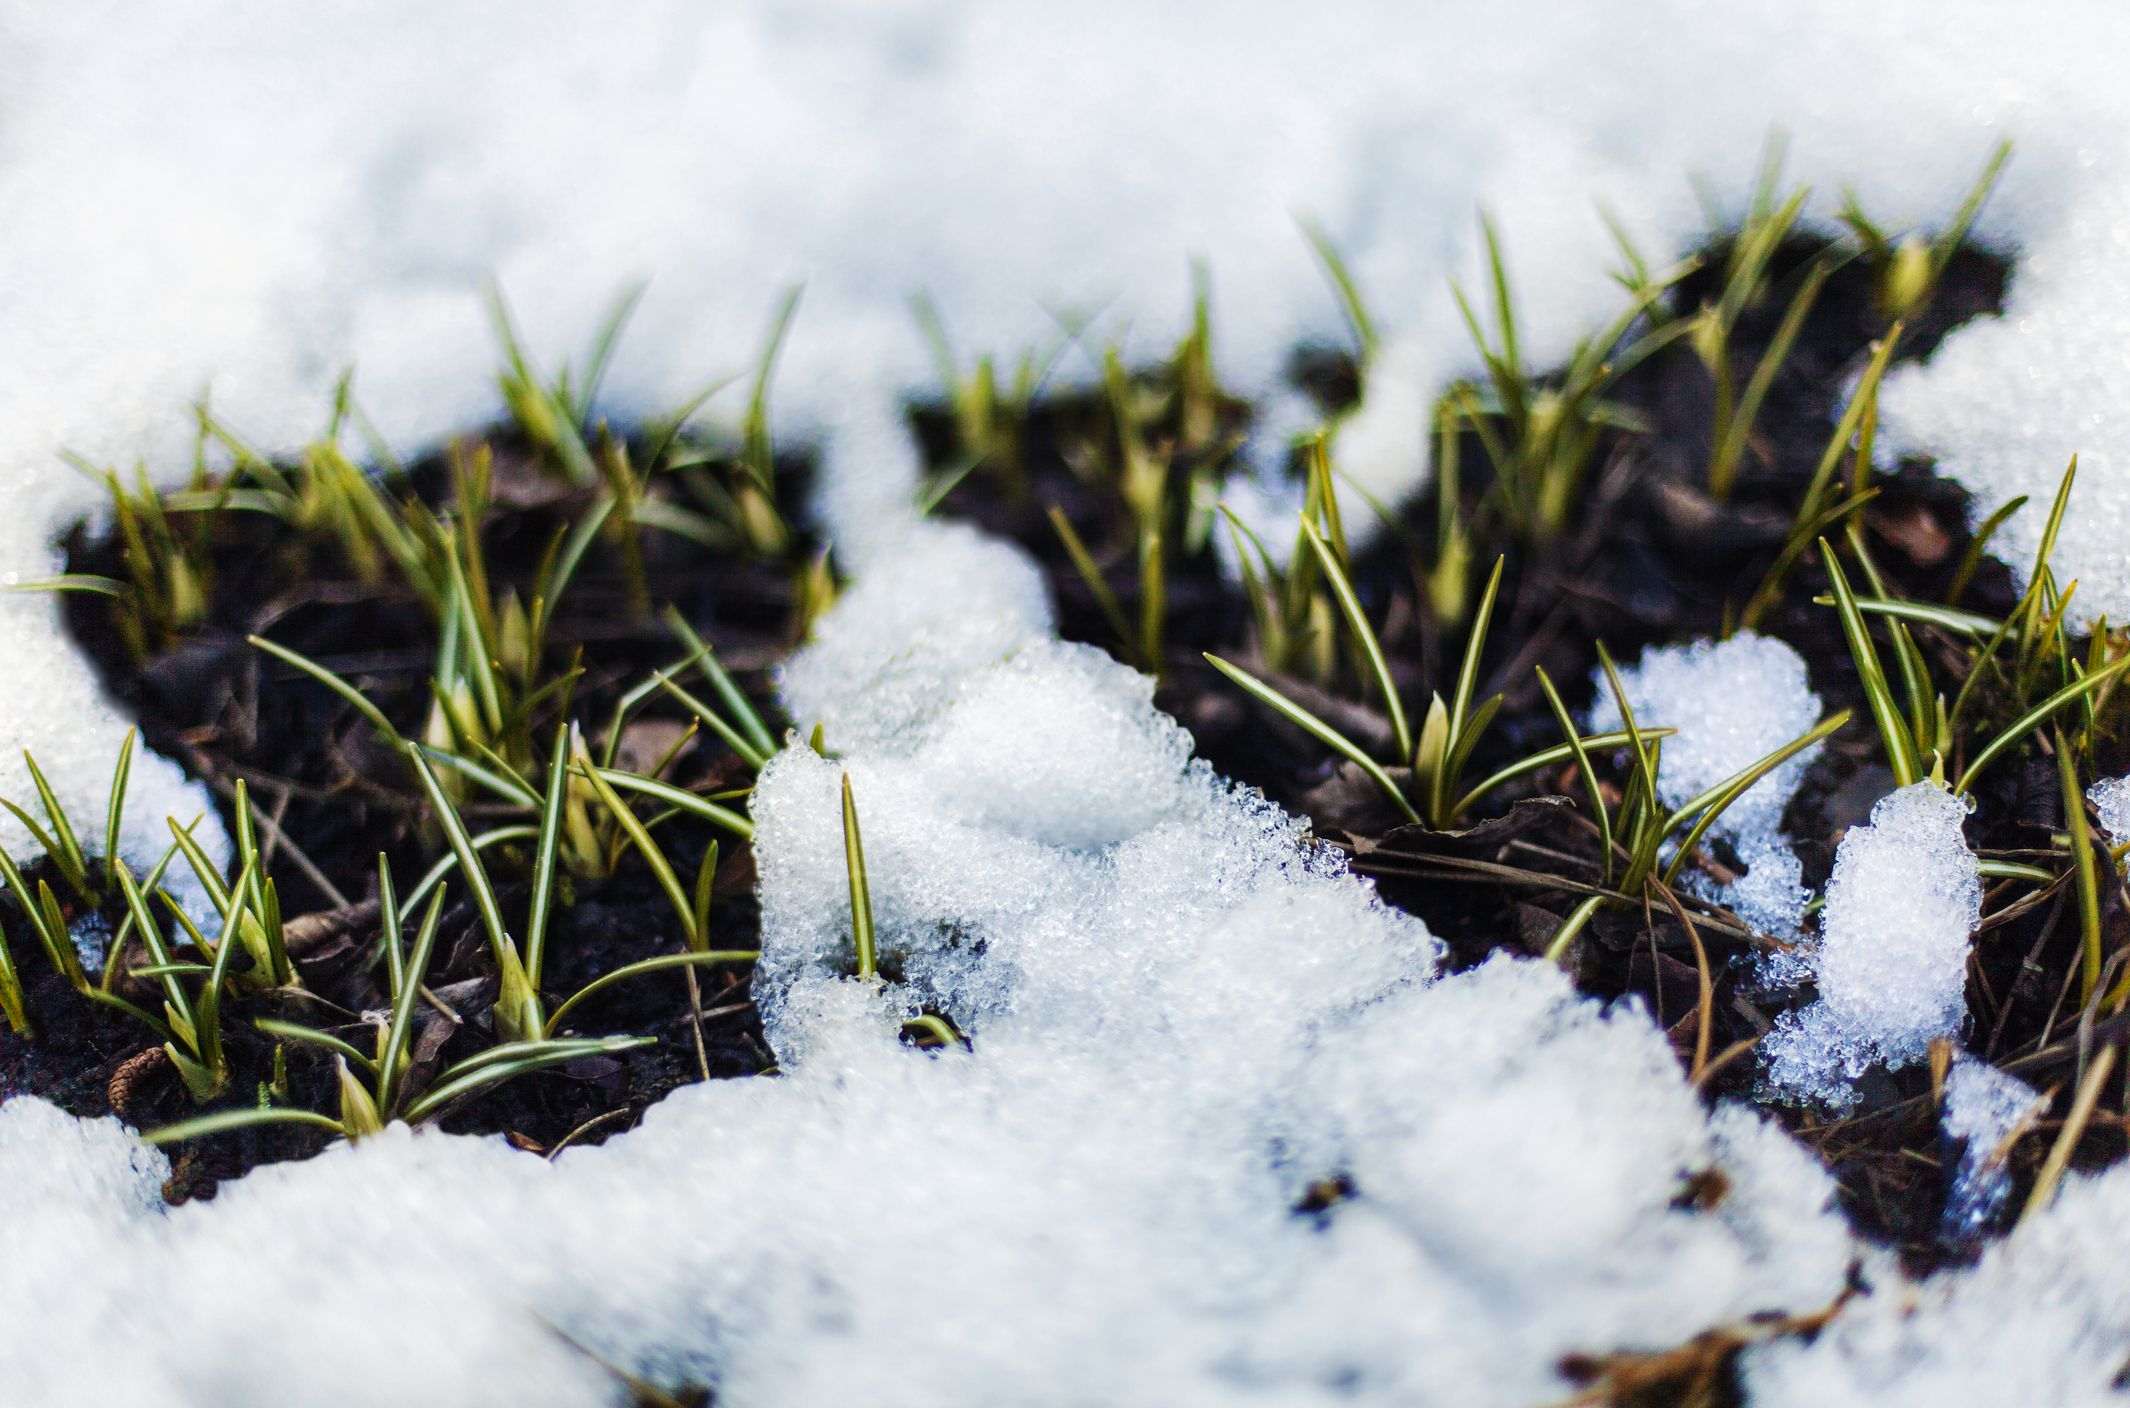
pixel 1732 702
pixel 1180 1021
pixel 1892 958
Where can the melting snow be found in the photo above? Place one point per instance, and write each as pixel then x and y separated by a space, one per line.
pixel 1892 958
pixel 1181 1018
pixel 2042 1319
pixel 2111 802
pixel 1984 1108
pixel 1732 702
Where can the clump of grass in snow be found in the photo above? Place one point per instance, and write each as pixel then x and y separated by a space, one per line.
pixel 1432 760
pixel 502 724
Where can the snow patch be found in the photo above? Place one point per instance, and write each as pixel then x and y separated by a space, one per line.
pixel 1183 1018
pixel 2043 1318
pixel 2111 803
pixel 1892 958
pixel 1732 702
pixel 1984 1108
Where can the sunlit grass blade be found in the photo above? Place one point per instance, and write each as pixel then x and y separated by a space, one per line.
pixel 1554 756
pixel 517 1005
pixel 1351 305
pixel 1885 709
pixel 544 853
pixel 2082 867
pixel 862 937
pixel 735 700
pixel 449 861
pixel 1971 560
pixel 603 350
pixel 226 1121
pixel 1364 635
pixel 673 796
pixel 12 1004
pixel 733 738
pixel 1801 539
pixel 1946 618
pixel 545 418
pixel 311 1036
pixel 1600 812
pixel 2035 717
pixel 115 810
pixel 1475 643
pixel 57 942
pixel 1083 562
pixel 1316 728
pixel 1706 808
pixel 1730 450
pixel 511 789
pixel 68 857
pixel 639 836
pixel 705 886
pixel 203 869
pixel 508 1062
pixel 401 1030
pixel 701 958
pixel 1578 919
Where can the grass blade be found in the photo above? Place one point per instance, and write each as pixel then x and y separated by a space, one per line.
pixel 339 686
pixel 2074 810
pixel 727 690
pixel 1371 647
pixel 508 1062
pixel 701 958
pixel 2038 715
pixel 675 797
pixel 1885 709
pixel 1599 810
pixel 115 811
pixel 632 826
pixel 862 937
pixel 1316 728
pixel 224 1121
pixel 402 1029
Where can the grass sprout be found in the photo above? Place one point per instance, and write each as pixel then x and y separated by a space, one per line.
pixel 863 949
pixel 1433 759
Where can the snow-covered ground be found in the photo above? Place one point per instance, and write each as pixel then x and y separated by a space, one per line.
pixel 1180 1021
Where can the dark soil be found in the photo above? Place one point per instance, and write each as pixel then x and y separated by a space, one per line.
pixel 1650 559
pixel 337 799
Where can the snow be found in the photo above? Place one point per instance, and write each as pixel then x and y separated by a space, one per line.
pixel 1180 1019
pixel 1984 1108
pixel 2111 802
pixel 1892 958
pixel 1732 703
pixel 2042 1319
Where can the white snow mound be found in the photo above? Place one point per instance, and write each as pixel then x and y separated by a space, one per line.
pixel 1183 1017
pixel 1892 957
